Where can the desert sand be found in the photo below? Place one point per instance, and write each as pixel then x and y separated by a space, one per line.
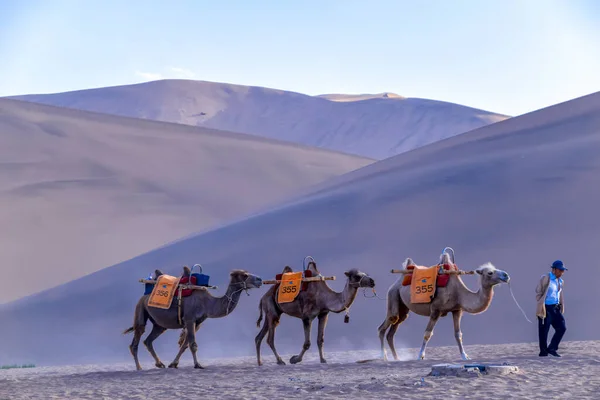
pixel 81 190
pixel 375 127
pixel 576 375
pixel 520 194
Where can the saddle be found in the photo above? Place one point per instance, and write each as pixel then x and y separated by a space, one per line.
pixel 291 284
pixel 441 281
pixel 307 274
pixel 196 278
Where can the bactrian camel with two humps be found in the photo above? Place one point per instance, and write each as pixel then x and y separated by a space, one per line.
pixel 196 308
pixel 316 302
pixel 454 298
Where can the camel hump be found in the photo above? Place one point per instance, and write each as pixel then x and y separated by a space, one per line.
pixel 157 273
pixel 408 263
pixel 186 271
pixel 287 269
pixel 312 266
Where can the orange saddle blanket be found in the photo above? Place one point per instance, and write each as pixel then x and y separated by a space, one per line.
pixel 423 284
pixel 289 287
pixel 163 292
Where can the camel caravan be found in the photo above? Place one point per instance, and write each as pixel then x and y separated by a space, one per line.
pixel 185 302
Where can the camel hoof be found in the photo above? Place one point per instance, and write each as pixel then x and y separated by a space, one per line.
pixel 260 363
pixel 295 360
pixel 138 368
pixel 160 365
pixel 280 362
pixel 465 357
pixel 173 365
pixel 198 366
pixel 323 361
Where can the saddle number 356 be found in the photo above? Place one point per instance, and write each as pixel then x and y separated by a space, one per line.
pixel 289 289
pixel 424 289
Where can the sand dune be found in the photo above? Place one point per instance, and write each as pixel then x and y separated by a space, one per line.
pixel 240 378
pixel 378 127
pixel 359 97
pixel 79 191
pixel 519 193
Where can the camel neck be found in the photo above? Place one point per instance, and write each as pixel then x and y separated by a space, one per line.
pixel 338 302
pixel 224 305
pixel 476 302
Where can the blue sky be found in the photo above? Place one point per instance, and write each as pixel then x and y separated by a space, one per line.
pixel 509 56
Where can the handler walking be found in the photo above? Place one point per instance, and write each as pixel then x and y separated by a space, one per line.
pixel 550 309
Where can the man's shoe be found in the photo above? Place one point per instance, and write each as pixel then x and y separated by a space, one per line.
pixel 553 353
pixel 543 354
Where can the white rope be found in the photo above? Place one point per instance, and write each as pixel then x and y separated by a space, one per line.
pixel 517 303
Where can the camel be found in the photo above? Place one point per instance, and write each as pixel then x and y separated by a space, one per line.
pixel 196 308
pixel 455 298
pixel 317 301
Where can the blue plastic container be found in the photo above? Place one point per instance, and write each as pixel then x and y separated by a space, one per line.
pixel 201 279
pixel 148 287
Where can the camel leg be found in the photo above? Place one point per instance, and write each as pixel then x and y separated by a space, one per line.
pixel 307 325
pixel 133 347
pixel 258 340
pixel 183 336
pixel 321 335
pixel 183 343
pixel 397 313
pixel 382 328
pixel 457 315
pixel 156 332
pixel 182 348
pixel 433 318
pixel 271 339
pixel 390 335
pixel 190 340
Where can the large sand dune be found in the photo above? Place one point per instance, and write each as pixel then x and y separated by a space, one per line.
pixel 79 190
pixel 376 127
pixel 519 193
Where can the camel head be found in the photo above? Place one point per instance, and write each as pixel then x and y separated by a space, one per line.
pixel 245 279
pixel 490 276
pixel 359 279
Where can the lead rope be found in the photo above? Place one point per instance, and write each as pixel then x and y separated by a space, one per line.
pixel 517 303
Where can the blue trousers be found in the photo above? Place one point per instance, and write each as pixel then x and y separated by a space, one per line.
pixel 555 319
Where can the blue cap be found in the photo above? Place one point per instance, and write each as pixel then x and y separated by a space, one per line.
pixel 559 265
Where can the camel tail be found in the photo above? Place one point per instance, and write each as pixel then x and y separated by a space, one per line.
pixel 128 330
pixel 260 316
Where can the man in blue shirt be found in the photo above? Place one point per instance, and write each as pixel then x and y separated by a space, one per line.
pixel 550 309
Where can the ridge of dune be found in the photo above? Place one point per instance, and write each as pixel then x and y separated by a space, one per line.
pixel 375 127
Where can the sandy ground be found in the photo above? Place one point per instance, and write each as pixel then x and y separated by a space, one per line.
pixel 575 375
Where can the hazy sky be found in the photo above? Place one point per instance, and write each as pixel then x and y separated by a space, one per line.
pixel 507 56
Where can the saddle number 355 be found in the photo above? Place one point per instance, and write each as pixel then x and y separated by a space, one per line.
pixel 289 289
pixel 424 289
